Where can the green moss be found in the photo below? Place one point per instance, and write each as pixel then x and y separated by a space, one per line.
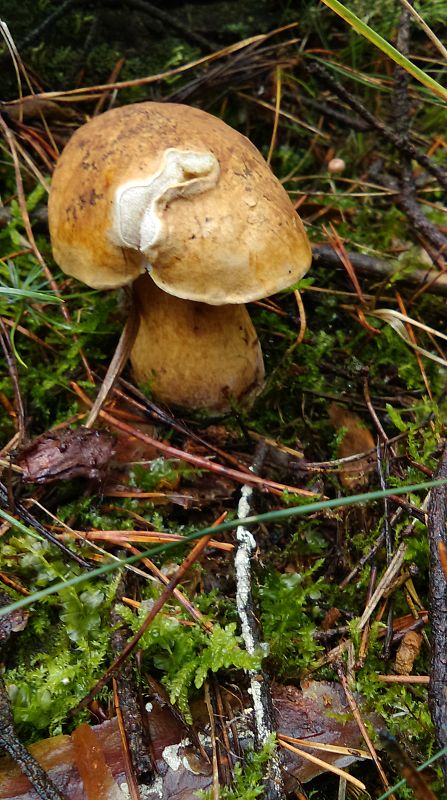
pixel 289 604
pixel 66 645
pixel 184 655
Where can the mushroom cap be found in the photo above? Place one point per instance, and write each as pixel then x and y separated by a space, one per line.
pixel 193 354
pixel 174 191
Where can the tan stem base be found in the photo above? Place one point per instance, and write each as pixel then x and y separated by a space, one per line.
pixel 195 355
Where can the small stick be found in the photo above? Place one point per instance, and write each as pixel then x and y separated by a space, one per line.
pixel 168 20
pixel 408 199
pixel 112 78
pixel 223 739
pixel 36 34
pixel 303 321
pixel 431 35
pixel 430 281
pixel 410 679
pixel 134 792
pixel 366 630
pixel 276 118
pixel 209 708
pixel 127 705
pixel 356 714
pixel 179 596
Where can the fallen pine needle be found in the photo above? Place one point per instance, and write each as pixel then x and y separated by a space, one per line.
pixel 319 762
pixel 119 536
pixel 328 748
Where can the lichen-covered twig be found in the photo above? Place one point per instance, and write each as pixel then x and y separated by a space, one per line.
pixel 259 686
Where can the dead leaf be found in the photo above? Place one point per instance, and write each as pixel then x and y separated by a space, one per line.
pixel 65 454
pixel 356 439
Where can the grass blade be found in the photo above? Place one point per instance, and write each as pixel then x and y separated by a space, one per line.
pixel 386 47
pixel 270 516
pixel 28 294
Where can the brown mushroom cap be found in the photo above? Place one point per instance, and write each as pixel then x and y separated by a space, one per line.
pixel 174 191
pixel 195 355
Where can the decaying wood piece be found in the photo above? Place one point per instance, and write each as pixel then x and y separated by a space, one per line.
pixel 407 653
pixel 437 535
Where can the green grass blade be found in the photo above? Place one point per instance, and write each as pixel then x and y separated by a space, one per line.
pixel 270 516
pixel 38 297
pixel 386 47
pixel 421 767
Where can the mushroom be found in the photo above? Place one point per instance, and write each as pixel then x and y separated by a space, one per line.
pixel 173 194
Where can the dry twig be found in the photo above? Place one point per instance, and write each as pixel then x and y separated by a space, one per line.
pixel 383 130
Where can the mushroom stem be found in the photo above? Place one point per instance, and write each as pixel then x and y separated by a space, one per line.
pixel 195 355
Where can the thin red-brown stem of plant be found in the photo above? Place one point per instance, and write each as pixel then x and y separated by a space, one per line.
pixel 197 461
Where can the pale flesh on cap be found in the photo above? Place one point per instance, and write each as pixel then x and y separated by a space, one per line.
pixel 195 355
pixel 173 191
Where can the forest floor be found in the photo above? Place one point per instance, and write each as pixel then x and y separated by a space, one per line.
pixel 110 628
